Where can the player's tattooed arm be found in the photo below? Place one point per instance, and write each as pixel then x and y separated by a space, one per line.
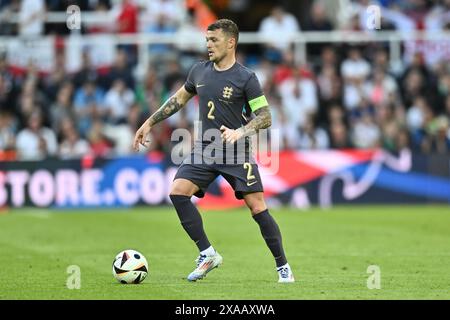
pixel 171 106
pixel 262 120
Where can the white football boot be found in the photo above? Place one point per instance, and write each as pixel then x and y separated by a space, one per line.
pixel 285 274
pixel 204 265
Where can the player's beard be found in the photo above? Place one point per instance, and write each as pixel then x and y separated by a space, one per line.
pixel 216 58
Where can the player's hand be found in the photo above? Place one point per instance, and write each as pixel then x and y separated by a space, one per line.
pixel 230 135
pixel 141 136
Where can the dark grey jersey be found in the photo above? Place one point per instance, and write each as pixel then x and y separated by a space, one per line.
pixel 225 97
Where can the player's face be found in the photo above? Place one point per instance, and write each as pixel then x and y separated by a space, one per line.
pixel 218 44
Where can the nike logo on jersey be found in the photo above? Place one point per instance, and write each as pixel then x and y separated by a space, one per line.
pixel 200 85
pixel 251 183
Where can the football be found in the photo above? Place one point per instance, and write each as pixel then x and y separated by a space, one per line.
pixel 130 266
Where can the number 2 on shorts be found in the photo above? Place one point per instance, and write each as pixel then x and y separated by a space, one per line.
pixel 249 169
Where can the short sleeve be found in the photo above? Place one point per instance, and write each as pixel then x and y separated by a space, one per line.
pixel 189 85
pixel 254 94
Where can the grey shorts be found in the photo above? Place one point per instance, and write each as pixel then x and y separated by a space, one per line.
pixel 243 178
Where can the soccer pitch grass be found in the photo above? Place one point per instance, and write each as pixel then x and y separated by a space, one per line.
pixel 329 252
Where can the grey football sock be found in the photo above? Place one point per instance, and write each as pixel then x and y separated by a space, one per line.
pixel 272 235
pixel 191 220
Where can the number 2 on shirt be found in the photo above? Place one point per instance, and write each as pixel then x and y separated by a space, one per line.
pixel 211 110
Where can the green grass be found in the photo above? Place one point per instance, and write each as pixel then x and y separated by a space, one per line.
pixel 329 252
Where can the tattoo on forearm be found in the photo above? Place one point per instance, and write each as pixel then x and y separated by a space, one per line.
pixel 262 120
pixel 170 107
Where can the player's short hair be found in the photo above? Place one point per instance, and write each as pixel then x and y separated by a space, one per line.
pixel 228 27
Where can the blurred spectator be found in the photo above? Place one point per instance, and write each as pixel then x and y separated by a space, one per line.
pixel 7 94
pixel 438 17
pixel 4 4
pixel 157 10
pixel 121 138
pixel 118 101
pixel 329 57
pixel 447 109
pixel 120 70
pixel 413 85
pixel 433 136
pixel 380 87
pixel 350 20
pixel 127 20
pixel 278 28
pixel 299 97
pixel 30 99
pixel 416 114
pixel 419 117
pixel 317 21
pixel 264 70
pixel 127 23
pixel 381 61
pixel 402 140
pixel 280 121
pixel 312 137
pixel 188 30
pixel 339 136
pixel 135 118
pixel 161 17
pixel 87 72
pixel 54 80
pixel 36 142
pixel 329 85
pixel 88 104
pixel 100 145
pixel 7 9
pixel 365 133
pixel 72 146
pixel 443 89
pixel 148 92
pixel 337 127
pixel 418 64
pixel 7 131
pixel 62 108
pixel 336 114
pixel 106 18
pixel 162 27
pixel 283 69
pixel 390 125
pixel 31 17
pixel 355 70
pixel 173 75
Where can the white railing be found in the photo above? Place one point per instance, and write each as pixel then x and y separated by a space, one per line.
pixel 299 40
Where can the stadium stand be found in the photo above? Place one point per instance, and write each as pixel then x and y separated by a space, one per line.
pixel 353 95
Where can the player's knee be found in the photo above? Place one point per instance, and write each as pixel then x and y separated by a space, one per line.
pixel 178 189
pixel 179 192
pixel 257 208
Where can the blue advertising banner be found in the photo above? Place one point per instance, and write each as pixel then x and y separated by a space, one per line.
pixel 303 178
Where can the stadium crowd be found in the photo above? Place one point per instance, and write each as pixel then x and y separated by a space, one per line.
pixel 343 96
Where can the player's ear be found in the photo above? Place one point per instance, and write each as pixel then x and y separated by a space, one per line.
pixel 231 43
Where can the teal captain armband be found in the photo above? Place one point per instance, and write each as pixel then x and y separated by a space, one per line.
pixel 257 103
